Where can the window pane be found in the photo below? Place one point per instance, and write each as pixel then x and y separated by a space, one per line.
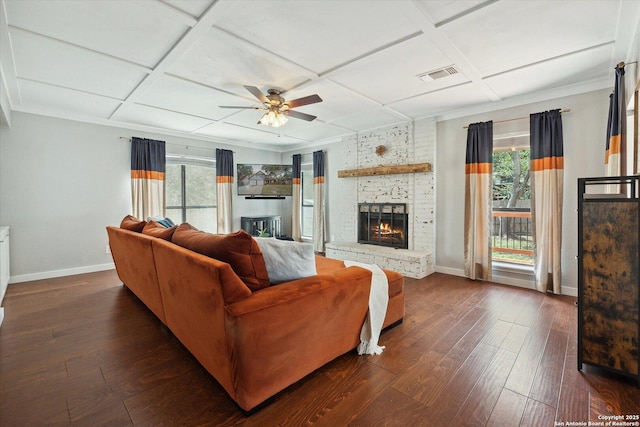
pixel 172 185
pixel 200 185
pixel 307 184
pixel 512 232
pixel 175 214
pixel 204 219
pixel 307 221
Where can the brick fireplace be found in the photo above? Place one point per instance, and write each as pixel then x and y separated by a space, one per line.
pixel 405 144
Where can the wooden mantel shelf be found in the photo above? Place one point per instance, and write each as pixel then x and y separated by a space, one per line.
pixel 386 170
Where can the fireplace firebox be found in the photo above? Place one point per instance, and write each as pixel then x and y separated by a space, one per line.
pixel 383 224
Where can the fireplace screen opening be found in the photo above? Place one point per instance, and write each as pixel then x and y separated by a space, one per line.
pixel 383 224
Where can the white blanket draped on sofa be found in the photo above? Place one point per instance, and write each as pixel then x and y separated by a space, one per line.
pixel 378 300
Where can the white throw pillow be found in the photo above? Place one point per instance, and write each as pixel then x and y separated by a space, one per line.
pixel 286 260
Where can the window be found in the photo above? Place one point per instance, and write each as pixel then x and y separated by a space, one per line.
pixel 307 201
pixel 512 233
pixel 190 187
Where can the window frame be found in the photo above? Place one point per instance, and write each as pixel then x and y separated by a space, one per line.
pixel 183 162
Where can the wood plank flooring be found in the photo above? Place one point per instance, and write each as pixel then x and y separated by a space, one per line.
pixel 82 350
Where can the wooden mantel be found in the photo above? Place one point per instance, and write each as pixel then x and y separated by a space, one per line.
pixel 386 170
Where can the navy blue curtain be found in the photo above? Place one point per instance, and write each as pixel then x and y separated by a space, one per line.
pixel 224 190
pixel 616 145
pixel 148 166
pixel 477 207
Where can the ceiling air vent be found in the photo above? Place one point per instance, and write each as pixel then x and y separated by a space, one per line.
pixel 438 74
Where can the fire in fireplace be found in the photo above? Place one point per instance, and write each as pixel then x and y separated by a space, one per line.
pixel 384 224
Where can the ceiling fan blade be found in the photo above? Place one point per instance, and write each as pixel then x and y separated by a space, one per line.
pixel 235 106
pixel 257 93
pixel 299 115
pixel 311 99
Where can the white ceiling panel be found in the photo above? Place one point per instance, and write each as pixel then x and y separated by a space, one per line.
pixel 318 35
pixel 216 60
pixel 433 103
pixel 170 64
pixel 194 8
pixel 442 10
pixel 175 94
pixel 337 101
pixel 507 35
pixel 138 31
pixel 60 64
pixel 60 101
pixel 368 119
pixel 399 66
pixel 244 135
pixel 564 71
pixel 162 119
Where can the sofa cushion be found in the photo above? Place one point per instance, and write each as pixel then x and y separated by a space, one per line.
pixel 287 260
pixel 156 229
pixel 327 265
pixel 237 249
pixel 132 223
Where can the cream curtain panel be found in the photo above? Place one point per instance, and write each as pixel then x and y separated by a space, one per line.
pixel 477 193
pixel 318 202
pixel 296 199
pixel 224 190
pixel 547 172
pixel 148 165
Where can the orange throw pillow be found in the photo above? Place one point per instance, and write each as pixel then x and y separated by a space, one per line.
pixel 156 229
pixel 132 223
pixel 238 249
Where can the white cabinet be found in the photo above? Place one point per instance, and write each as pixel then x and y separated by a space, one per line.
pixel 4 266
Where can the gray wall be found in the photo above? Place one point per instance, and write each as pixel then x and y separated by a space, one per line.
pixel 62 182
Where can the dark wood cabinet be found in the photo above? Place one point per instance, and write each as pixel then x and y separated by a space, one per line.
pixel 608 276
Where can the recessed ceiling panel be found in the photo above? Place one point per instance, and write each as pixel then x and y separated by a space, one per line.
pixel 65 102
pixel 507 35
pixel 441 10
pixel 337 101
pixel 244 135
pixel 217 60
pixel 564 71
pixel 318 35
pixel 138 31
pixel 194 8
pixel 391 74
pixel 143 115
pixel 368 119
pixel 59 64
pixel 179 95
pixel 450 99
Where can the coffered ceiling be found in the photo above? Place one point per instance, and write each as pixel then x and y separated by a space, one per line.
pixel 168 65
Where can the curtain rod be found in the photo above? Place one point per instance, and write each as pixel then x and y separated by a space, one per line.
pixel 566 110
pixel 178 145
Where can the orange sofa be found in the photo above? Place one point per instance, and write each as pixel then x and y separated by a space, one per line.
pixel 254 343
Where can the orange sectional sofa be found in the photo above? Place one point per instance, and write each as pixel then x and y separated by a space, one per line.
pixel 255 343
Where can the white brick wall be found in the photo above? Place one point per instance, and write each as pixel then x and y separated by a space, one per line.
pixel 412 142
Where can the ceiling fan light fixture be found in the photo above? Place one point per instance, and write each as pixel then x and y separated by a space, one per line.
pixel 273 118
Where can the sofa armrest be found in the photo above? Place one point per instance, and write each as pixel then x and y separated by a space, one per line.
pixel 282 333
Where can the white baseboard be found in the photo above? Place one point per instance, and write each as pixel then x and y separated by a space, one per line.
pixel 61 273
pixel 503 280
pixel 1 315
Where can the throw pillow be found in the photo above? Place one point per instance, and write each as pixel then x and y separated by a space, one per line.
pixel 287 260
pixel 132 223
pixel 156 229
pixel 238 249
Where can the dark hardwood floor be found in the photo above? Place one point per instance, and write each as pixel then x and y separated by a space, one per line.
pixel 83 350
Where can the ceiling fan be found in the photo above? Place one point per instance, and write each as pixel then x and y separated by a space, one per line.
pixel 277 108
